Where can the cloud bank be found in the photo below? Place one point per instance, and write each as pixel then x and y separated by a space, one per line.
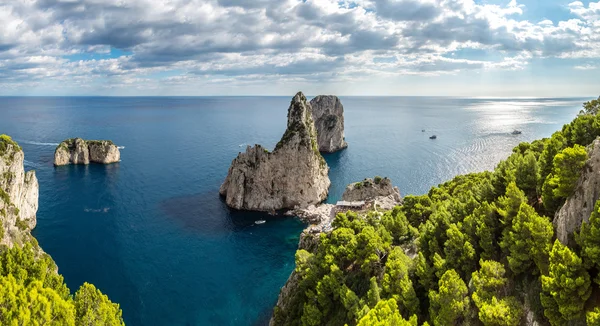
pixel 146 45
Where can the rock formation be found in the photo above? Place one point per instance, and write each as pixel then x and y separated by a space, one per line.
pixel 369 189
pixel 293 175
pixel 579 206
pixel 79 151
pixel 328 114
pixel 18 194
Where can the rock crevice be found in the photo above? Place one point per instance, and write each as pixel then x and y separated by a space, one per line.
pixel 328 114
pixel 294 175
pixel 19 192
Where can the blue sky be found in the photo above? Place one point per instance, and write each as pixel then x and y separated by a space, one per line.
pixel 479 48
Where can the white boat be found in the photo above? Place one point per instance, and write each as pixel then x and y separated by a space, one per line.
pixel 260 222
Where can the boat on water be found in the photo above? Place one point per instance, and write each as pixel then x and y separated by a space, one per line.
pixel 433 137
pixel 422 130
pixel 260 222
pixel 516 132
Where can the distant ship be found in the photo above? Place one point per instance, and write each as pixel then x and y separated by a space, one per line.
pixel 260 222
pixel 422 130
pixel 433 137
pixel 516 132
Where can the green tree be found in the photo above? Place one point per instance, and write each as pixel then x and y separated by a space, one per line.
pixel 567 286
pixel 593 317
pixel 490 296
pixel 459 253
pixel 94 308
pixel 589 240
pixel 386 314
pixel 527 241
pixel 32 304
pixel 449 304
pixel 527 174
pixel 397 283
pixel 566 169
pixel 591 107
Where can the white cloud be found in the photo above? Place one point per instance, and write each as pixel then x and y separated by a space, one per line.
pixel 311 40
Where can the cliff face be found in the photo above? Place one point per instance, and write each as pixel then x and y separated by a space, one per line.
pixel 293 175
pixel 79 151
pixel 579 206
pixel 18 194
pixel 370 189
pixel 328 113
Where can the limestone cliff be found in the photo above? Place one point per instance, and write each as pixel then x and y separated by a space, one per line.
pixel 328 113
pixel 79 151
pixel 579 206
pixel 370 189
pixel 18 194
pixel 293 175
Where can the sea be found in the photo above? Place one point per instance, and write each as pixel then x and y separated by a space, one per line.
pixel 152 232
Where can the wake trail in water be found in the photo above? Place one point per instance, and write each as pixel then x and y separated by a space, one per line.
pixel 31 164
pixel 37 143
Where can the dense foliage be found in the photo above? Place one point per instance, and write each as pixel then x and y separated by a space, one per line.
pixel 33 293
pixel 477 250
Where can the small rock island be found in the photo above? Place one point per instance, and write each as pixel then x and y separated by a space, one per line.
pixel 328 113
pixel 294 175
pixel 79 151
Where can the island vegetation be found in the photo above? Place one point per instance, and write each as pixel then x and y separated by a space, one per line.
pixel 477 250
pixel 32 292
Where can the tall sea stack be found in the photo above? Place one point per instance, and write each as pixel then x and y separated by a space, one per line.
pixel 18 195
pixel 328 113
pixel 294 175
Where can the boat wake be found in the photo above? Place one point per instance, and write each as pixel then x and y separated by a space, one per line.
pixel 31 164
pixel 37 143
pixel 100 210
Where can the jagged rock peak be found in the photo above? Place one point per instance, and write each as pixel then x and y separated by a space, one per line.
pixel 79 151
pixel 19 193
pixel 579 205
pixel 293 175
pixel 328 113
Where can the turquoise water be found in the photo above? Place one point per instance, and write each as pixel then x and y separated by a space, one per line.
pixel 151 231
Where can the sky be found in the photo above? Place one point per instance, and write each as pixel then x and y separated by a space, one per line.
pixel 483 48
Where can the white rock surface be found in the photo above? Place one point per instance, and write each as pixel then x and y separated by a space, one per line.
pixel 19 193
pixel 368 189
pixel 79 151
pixel 328 114
pixel 294 175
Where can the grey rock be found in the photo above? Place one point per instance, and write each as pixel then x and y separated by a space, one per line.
pixel 328 113
pixel 368 189
pixel 79 151
pixel 19 193
pixel 579 205
pixel 294 175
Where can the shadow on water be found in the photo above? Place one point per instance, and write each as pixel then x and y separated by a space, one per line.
pixel 83 222
pixel 207 214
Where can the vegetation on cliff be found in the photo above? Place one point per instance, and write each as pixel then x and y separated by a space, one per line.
pixel 485 250
pixel 31 290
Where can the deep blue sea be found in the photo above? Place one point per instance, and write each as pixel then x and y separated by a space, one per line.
pixel 151 231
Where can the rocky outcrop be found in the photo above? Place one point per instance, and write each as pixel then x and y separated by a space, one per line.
pixel 79 151
pixel 18 194
pixel 294 175
pixel 328 113
pixel 579 206
pixel 369 189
